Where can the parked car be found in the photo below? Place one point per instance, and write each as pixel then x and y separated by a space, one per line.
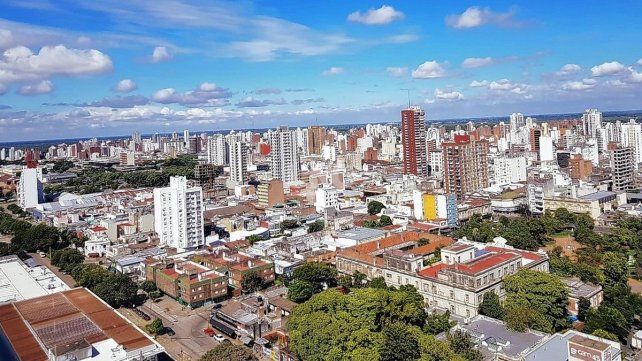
pixel 218 337
pixel 169 332
pixel 209 331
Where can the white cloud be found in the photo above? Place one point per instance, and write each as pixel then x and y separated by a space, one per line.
pixel 505 86
pixel 568 69
pixel 608 68
pixel 42 87
pixel 250 102
pixel 634 76
pixel 502 84
pixel 20 64
pixel 639 62
pixel 478 84
pixel 384 15
pixel 585 84
pixel 160 54
pixel 397 71
pixel 125 86
pixel 477 62
pixel 448 96
pixel 333 71
pixel 5 38
pixel 475 16
pixel 428 70
pixel 207 94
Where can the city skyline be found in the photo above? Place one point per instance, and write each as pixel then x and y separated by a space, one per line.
pixel 75 69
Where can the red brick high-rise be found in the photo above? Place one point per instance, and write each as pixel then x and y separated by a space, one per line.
pixel 413 139
pixel 465 165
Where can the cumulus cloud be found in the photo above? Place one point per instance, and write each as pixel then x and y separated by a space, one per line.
pixel 384 15
pixel 634 76
pixel 306 101
pixel 475 16
pixel 585 84
pixel 639 62
pixel 207 94
pixel 477 62
pixel 505 86
pixel 42 87
pixel 608 68
pixel 129 101
pixel 333 71
pixel 250 102
pixel 568 69
pixel 160 54
pixel 6 38
pixel 478 84
pixel 20 64
pixel 428 70
pixel 397 71
pixel 448 95
pixel 268 91
pixel 125 86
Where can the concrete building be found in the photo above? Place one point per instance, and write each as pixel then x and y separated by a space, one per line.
pixel 316 139
pixel 270 193
pixel 465 165
pixel 178 215
pixel 216 150
pixel 239 159
pixel 284 155
pixel 631 136
pixel 30 190
pixel 509 170
pixel 326 197
pixel 413 140
pixel 622 168
pixel 591 122
pixel 578 168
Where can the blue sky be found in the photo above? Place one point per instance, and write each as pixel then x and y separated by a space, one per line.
pixel 89 68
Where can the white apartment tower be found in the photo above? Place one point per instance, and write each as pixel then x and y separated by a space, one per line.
pixel 591 122
pixel 30 192
pixel 178 215
pixel 239 159
pixel 284 154
pixel 517 122
pixel 216 152
pixel 631 136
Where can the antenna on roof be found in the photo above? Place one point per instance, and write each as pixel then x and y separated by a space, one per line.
pixel 408 92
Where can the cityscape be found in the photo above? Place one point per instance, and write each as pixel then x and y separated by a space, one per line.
pixel 473 197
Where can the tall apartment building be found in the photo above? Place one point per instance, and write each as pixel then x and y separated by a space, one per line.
pixel 591 122
pixel 284 155
pixel 326 197
pixel 216 150
pixel 631 136
pixel 30 190
pixel 465 165
pixel 517 122
pixel 178 215
pixel 270 193
pixel 622 159
pixel 239 159
pixel 413 139
pixel 316 139
pixel 509 170
pixel 579 168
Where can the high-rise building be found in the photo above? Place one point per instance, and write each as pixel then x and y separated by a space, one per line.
pixel 178 215
pixel 30 190
pixel 270 193
pixel 465 165
pixel 579 168
pixel 284 155
pixel 413 139
pixel 591 122
pixel 239 159
pixel 631 136
pixel 509 170
pixel 622 159
pixel 186 137
pixel 517 122
pixel 216 150
pixel 316 139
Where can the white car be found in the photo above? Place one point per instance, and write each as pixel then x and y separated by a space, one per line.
pixel 218 337
pixel 42 254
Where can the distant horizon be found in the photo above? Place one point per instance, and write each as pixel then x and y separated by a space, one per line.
pixel 539 117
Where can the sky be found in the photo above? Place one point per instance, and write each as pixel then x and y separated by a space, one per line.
pixel 72 68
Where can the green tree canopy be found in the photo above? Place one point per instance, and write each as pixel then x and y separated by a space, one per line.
pixel 155 327
pixel 251 281
pixel 491 306
pixel 317 274
pixel 229 352
pixel 374 207
pixel 300 291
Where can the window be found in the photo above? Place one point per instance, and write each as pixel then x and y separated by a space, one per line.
pixel 452 294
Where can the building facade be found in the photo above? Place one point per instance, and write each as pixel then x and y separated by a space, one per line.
pixel 413 139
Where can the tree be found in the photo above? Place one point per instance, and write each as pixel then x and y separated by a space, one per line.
pixel 359 279
pixel 398 344
pixel 385 221
pixel 491 306
pixel 253 238
pixel 378 282
pixel 437 323
pixel 422 242
pixel 374 207
pixel 615 267
pixel 155 327
pixel 461 343
pixel 607 319
pixel 317 226
pixel 66 259
pixel 155 295
pixel 148 286
pixel 251 281
pixel 289 224
pixel 542 293
pixel 605 334
pixel 583 307
pixel 300 291
pixel 117 289
pixel 319 275
pixel 229 352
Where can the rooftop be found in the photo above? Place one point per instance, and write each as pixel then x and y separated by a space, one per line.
pixel 20 282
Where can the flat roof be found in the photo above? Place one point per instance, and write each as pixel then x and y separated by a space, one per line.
pixel 598 195
pixel 361 233
pixel 20 282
